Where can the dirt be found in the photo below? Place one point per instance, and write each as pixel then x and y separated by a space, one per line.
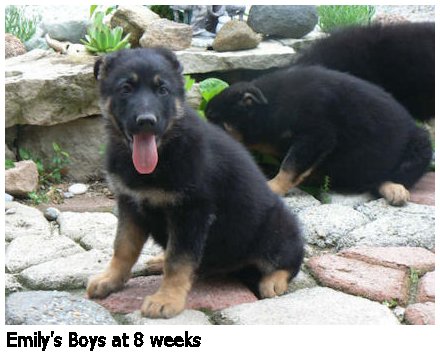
pixel 98 198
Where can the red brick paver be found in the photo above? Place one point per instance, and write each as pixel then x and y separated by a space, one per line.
pixel 359 278
pixel 426 290
pixel 212 294
pixel 420 314
pixel 423 192
pixel 403 258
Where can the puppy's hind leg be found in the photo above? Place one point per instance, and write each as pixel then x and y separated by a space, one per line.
pixel 413 164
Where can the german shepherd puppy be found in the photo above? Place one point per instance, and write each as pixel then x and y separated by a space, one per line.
pixel 329 123
pixel 399 57
pixel 186 183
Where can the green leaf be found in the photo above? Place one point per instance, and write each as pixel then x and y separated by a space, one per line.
pixel 9 164
pixel 189 82
pixel 211 87
pixel 92 9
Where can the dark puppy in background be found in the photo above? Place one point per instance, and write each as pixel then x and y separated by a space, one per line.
pixel 330 123
pixel 400 58
pixel 186 183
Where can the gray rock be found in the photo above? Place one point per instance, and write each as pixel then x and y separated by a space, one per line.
pixel 235 35
pixel 300 281
pixel 269 54
pixel 133 19
pixel 51 213
pixel 26 251
pixel 78 189
pixel 8 198
pixel 22 178
pixel 315 306
pixel 282 20
pixel 412 230
pixel 69 272
pixel 380 208
pixel 13 46
pixel 297 200
pixel 76 225
pixel 51 308
pixel 350 200
pixel 187 317
pixel 26 221
pixel 46 89
pixel 325 225
pixel 12 284
pixel 82 139
pixel 65 23
pixel 163 32
pixel 68 194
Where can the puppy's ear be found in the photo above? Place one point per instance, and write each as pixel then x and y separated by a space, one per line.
pixel 172 58
pixel 253 96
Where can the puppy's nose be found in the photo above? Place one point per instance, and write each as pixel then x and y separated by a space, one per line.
pixel 146 121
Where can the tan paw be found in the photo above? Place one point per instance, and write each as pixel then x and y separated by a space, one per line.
pixel 155 264
pixel 161 305
pixel 274 284
pixel 102 285
pixel 395 194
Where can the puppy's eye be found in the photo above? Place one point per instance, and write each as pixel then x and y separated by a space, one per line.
pixel 125 89
pixel 162 90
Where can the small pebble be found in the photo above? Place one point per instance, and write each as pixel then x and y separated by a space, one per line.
pixel 68 194
pixel 8 198
pixel 51 213
pixel 78 189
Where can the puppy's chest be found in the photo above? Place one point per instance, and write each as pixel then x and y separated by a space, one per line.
pixel 156 197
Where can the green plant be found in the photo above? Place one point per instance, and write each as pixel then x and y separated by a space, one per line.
pixel 413 276
pixel 100 38
pixel 209 88
pixel 325 189
pixel 9 164
pixel 18 24
pixel 390 303
pixel 163 11
pixel 38 197
pixel 335 16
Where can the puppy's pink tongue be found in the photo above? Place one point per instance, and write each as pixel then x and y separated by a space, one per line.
pixel 144 153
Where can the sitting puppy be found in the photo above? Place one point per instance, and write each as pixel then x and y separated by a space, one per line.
pixel 186 183
pixel 327 122
pixel 399 57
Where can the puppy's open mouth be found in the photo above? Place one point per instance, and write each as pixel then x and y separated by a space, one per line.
pixel 144 152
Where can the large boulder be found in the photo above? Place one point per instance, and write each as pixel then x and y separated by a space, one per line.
pixel 291 21
pixel 166 33
pixel 22 178
pixel 44 89
pixel 65 23
pixel 82 139
pixel 133 19
pixel 235 35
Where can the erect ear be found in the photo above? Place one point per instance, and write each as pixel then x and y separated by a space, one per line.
pixel 171 57
pixel 253 96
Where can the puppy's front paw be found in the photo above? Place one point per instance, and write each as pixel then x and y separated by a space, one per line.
pixel 161 305
pixel 102 285
pixel 276 187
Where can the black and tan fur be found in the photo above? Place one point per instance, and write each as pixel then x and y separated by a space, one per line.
pixel 323 122
pixel 206 203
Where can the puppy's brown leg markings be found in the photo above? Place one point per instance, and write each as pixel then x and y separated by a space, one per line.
pixel 156 264
pixel 282 182
pixel 274 284
pixel 128 245
pixel 395 194
pixel 170 299
pixel 286 180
